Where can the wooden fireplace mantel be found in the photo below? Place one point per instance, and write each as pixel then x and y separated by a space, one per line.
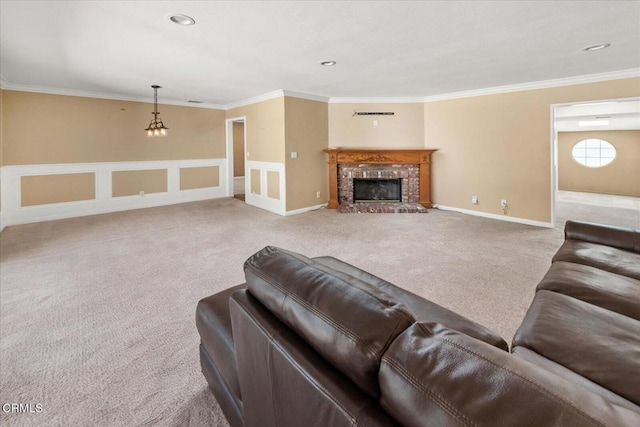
pixel 380 156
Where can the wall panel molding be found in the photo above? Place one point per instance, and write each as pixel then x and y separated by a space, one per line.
pixel 261 199
pixel 13 213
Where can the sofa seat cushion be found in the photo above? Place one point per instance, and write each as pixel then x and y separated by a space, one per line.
pixel 435 376
pixel 599 344
pixel 213 322
pixel 560 371
pixel 424 310
pixel 595 286
pixel 349 322
pixel 619 261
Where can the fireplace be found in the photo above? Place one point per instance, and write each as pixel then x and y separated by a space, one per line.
pixel 396 180
pixel 371 190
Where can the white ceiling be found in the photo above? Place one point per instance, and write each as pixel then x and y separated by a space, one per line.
pixel 238 50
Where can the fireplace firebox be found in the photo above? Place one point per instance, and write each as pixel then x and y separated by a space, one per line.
pixel 377 190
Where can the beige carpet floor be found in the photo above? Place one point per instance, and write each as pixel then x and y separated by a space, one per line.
pixel 97 313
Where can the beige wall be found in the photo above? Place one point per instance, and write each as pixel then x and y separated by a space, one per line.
pixel 306 130
pixel 59 188
pixel 199 177
pixel 273 184
pixel 404 129
pixel 131 183
pixel 42 128
pixel 264 128
pixel 498 146
pixel 622 176
pixel 238 149
pixel 254 177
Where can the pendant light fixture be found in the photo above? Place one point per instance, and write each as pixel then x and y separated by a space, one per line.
pixel 156 127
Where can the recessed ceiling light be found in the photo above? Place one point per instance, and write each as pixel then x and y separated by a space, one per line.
pixel 596 47
pixel 182 20
pixel 328 63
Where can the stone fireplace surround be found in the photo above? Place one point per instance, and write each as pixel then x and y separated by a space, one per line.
pixel 413 166
pixel 410 186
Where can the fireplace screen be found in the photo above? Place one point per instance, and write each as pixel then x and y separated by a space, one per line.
pixel 377 190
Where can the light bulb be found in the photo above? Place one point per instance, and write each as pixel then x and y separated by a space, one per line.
pixel 149 132
pixel 156 132
pixel 163 131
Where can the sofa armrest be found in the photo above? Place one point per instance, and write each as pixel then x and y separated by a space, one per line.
pixel 617 237
pixel 431 375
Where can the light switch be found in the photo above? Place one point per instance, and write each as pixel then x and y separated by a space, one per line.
pixel 294 154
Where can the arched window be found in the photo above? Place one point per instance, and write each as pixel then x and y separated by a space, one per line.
pixel 594 152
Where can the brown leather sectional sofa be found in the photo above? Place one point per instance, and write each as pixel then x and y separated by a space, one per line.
pixel 318 342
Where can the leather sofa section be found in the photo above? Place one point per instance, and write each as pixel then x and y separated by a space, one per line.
pixel 214 326
pixel 614 260
pixel 598 287
pixel 618 237
pixel 349 322
pixel 424 310
pixel 230 405
pixel 560 371
pixel 285 383
pixel 596 343
pixel 432 375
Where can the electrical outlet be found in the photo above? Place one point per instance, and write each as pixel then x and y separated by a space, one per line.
pixel 294 154
pixel 317 194
pixel 375 123
pixel 474 200
pixel 142 194
pixel 503 203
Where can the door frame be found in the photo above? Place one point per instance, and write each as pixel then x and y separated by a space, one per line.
pixel 229 144
pixel 554 145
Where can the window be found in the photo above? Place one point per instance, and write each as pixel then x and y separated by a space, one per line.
pixel 594 152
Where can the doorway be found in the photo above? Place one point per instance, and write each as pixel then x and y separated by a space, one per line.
pixel 236 149
pixel 587 184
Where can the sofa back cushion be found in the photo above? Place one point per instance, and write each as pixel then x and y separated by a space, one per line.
pixel 599 344
pixel 624 238
pixel 432 375
pixel 349 322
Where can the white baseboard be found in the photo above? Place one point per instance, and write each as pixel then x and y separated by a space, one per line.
pixel 495 216
pixel 303 210
pixel 56 211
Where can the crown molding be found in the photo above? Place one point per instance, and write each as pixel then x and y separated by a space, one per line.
pixel 377 100
pixel 308 96
pixel 99 95
pixel 280 93
pixel 255 99
pixel 544 84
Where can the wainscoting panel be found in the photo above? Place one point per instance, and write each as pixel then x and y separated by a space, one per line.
pixel 14 213
pixel 59 188
pixel 266 186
